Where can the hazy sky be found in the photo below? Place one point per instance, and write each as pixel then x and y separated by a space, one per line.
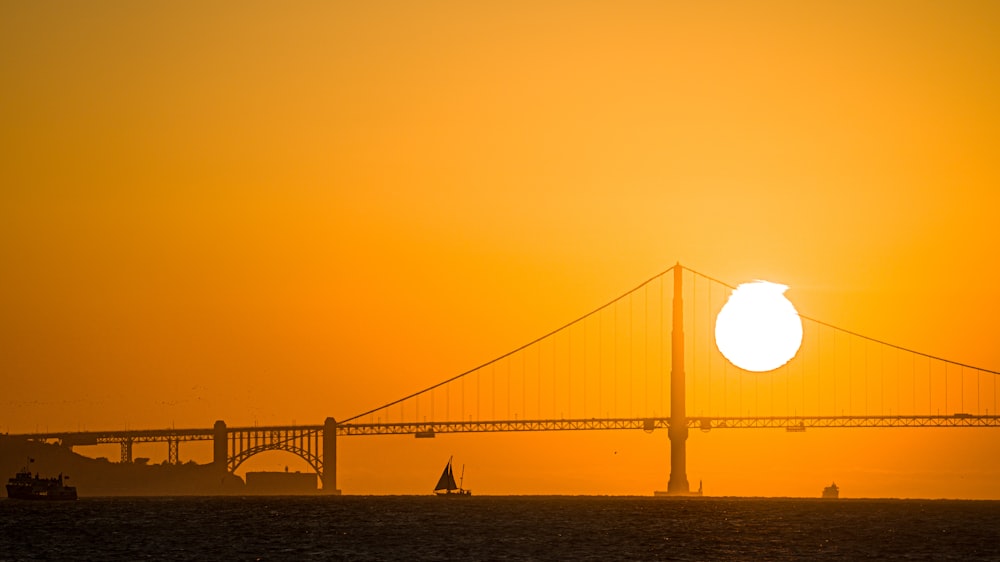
pixel 275 212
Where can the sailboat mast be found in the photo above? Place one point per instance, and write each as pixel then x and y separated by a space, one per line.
pixel 461 479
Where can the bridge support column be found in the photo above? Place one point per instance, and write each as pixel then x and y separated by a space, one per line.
pixel 330 457
pixel 220 447
pixel 173 451
pixel 678 432
pixel 127 450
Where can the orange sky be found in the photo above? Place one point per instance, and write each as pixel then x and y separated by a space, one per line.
pixel 273 213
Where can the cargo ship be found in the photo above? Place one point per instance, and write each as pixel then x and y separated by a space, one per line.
pixel 831 492
pixel 25 486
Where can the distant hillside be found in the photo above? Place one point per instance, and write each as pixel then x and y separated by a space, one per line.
pixel 99 477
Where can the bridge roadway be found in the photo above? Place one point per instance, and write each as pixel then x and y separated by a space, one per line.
pixel 420 429
pixel 791 423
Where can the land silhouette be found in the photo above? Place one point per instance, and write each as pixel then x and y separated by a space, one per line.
pixel 101 477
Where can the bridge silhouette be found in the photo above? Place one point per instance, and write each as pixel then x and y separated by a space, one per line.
pixel 642 361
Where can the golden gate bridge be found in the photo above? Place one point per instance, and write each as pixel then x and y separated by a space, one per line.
pixel 645 360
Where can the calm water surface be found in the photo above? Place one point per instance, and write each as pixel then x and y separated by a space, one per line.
pixel 498 528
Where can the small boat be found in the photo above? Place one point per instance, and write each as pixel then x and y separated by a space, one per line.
pixel 446 484
pixel 24 486
pixel 831 492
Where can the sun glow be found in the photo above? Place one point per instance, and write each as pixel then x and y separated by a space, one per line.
pixel 758 329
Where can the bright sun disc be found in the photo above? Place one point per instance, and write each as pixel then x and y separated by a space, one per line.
pixel 758 329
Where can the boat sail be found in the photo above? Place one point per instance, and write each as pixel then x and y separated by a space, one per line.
pixel 446 485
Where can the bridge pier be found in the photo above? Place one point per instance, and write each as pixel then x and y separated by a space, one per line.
pixel 220 447
pixel 173 451
pixel 127 450
pixel 330 457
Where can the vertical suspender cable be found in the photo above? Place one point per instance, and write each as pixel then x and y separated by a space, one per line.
pixel 663 395
pixel 899 384
pixel 850 376
pixel 569 371
pixel 865 372
pixel 802 390
pixel 725 387
pixel 819 370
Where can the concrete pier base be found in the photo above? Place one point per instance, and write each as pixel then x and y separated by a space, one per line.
pixel 330 458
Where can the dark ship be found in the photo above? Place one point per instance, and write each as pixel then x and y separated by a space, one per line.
pixel 831 492
pixel 24 486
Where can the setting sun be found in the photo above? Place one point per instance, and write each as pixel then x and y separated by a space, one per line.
pixel 758 329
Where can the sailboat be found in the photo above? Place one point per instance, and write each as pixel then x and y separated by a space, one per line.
pixel 446 484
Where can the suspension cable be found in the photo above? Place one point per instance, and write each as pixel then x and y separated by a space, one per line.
pixel 855 334
pixel 509 353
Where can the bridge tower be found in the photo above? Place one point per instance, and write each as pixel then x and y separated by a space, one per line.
pixel 330 457
pixel 678 432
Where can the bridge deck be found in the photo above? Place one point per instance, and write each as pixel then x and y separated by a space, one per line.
pixel 157 435
pixel 793 423
pixel 427 429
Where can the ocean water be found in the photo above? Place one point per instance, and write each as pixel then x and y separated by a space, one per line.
pixel 498 528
